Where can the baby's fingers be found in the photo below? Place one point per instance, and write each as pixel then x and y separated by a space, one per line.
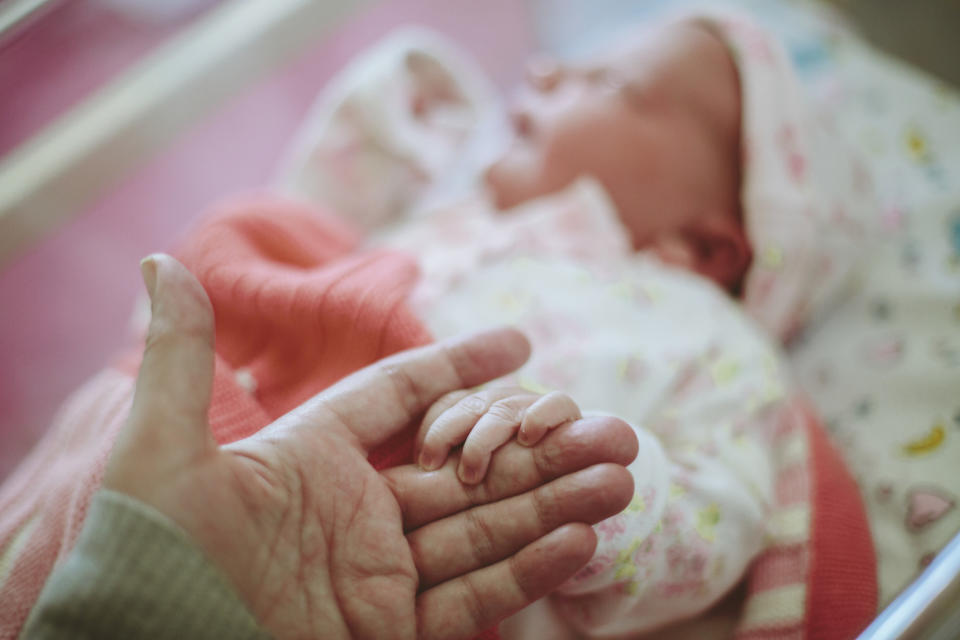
pixel 548 412
pixel 450 428
pixel 497 426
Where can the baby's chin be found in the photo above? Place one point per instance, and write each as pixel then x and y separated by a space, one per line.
pixel 508 180
pixel 498 188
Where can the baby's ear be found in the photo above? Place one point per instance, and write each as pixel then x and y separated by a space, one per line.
pixel 723 251
pixel 716 248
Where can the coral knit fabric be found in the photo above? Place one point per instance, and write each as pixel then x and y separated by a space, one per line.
pixel 842 582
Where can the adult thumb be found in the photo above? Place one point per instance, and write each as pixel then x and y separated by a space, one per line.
pixel 168 421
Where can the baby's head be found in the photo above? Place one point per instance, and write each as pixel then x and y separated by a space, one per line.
pixel 657 122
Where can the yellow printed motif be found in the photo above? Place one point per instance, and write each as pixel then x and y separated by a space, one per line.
pixel 917 145
pixel 676 491
pixel 637 505
pixel 707 520
pixel 625 568
pixel 772 257
pixel 928 443
pixel 724 371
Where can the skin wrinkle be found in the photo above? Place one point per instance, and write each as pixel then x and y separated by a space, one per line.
pixel 544 516
pixel 302 491
pixel 482 544
pixel 475 603
pixel 365 575
pixel 274 547
pixel 336 566
pixel 516 574
pixel 505 410
pixel 473 403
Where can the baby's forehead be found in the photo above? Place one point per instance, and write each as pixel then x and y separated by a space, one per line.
pixel 638 47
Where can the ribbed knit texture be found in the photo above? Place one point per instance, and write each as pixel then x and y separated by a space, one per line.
pixel 817 578
pixel 134 574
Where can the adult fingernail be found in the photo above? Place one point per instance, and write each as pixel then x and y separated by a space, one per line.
pixel 148 269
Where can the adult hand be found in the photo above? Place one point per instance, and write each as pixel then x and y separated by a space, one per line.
pixel 314 539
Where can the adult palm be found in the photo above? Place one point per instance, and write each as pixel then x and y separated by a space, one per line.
pixel 315 540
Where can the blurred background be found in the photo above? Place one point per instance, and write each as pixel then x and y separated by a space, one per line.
pixel 168 107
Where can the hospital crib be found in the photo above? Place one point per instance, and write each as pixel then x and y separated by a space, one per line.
pixel 102 154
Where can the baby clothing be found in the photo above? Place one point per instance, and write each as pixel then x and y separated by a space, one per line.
pixel 884 367
pixel 796 185
pixel 879 363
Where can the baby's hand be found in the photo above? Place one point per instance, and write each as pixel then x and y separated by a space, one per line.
pixel 484 420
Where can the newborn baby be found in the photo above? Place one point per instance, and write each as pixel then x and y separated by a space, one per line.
pixel 658 124
pixel 688 141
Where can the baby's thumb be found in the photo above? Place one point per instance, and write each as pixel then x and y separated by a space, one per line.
pixel 168 420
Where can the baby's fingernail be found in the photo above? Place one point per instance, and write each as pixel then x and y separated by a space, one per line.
pixel 469 474
pixel 523 437
pixel 428 462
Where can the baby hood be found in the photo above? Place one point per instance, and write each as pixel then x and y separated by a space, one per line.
pixel 805 196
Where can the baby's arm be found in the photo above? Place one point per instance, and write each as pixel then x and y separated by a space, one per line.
pixel 705 489
pixel 483 421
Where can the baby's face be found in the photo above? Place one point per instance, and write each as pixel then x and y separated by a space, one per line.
pixel 657 123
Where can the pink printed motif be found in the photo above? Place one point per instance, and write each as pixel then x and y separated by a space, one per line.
pixel 688 565
pixel 926 506
pixel 752 42
pixel 632 370
pixel 598 564
pixel 883 351
pixel 795 161
pixel 612 527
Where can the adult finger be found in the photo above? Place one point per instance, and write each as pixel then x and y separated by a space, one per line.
pixel 467 605
pixel 382 399
pixel 427 496
pixel 484 535
pixel 169 413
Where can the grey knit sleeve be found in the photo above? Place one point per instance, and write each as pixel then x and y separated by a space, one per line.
pixel 135 574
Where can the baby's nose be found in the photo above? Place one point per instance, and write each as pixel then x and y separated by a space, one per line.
pixel 544 73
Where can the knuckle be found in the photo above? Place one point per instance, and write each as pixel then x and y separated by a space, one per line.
pixel 503 410
pixel 481 538
pixel 473 404
pixel 519 578
pixel 161 333
pixel 475 602
pixel 547 507
pixel 403 385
